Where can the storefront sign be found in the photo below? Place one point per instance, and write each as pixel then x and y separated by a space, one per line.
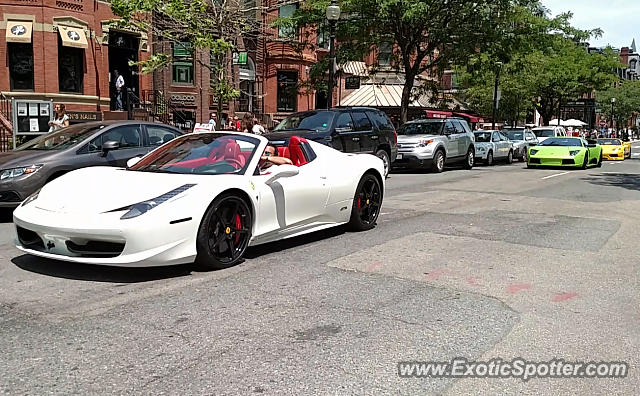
pixel 352 82
pixel 84 116
pixel 183 99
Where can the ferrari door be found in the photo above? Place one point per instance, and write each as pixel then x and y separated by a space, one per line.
pixel 290 203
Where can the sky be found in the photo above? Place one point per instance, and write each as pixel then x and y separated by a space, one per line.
pixel 619 19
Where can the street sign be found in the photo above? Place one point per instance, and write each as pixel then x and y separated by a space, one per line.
pixel 240 58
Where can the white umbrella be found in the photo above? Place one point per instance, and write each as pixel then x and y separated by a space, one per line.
pixel 555 122
pixel 573 123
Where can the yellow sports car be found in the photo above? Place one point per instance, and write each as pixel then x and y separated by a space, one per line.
pixel 627 148
pixel 612 149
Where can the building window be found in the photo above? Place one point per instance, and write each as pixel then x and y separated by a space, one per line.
pixel 70 68
pixel 20 66
pixel 287 11
pixel 182 63
pixel 287 91
pixel 323 37
pixel 384 54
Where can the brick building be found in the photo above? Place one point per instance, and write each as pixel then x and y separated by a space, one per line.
pixel 65 51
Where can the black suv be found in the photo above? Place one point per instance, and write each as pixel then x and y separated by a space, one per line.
pixel 350 130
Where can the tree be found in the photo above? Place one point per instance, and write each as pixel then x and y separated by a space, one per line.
pixel 199 26
pixel 426 35
pixel 627 94
pixel 545 63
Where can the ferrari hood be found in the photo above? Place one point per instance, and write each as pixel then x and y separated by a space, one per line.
pixel 606 149
pixel 101 189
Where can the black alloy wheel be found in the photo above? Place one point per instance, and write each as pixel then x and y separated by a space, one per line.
pixel 224 233
pixel 366 204
pixel 586 160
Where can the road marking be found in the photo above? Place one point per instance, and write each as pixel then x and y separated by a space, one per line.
pixel 613 163
pixel 556 175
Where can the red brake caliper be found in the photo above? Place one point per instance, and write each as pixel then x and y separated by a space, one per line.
pixel 238 227
pixel 358 205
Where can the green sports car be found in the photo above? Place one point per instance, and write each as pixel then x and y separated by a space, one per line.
pixel 566 152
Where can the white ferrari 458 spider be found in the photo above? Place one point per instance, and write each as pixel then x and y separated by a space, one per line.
pixel 202 197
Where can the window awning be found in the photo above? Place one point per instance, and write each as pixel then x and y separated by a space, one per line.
pixel 73 36
pixel 19 31
pixel 471 118
pixel 438 114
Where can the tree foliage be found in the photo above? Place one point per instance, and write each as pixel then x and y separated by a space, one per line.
pixel 627 95
pixel 200 26
pixel 544 68
pixel 427 35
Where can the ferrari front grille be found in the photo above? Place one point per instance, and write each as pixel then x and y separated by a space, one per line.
pixel 568 162
pixel 29 239
pixel 534 160
pixel 96 249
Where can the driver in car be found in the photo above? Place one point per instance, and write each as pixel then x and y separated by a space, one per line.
pixel 270 158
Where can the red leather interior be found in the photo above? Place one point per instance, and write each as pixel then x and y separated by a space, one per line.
pixel 232 152
pixel 283 152
pixel 295 151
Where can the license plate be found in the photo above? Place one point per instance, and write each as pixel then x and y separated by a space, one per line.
pixel 399 156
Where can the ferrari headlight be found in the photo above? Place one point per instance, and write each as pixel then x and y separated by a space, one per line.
pixel 573 153
pixel 533 152
pixel 615 150
pixel 143 207
pixel 481 149
pixel 30 198
pixel 17 172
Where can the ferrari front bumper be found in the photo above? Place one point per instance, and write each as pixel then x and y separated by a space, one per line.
pixel 102 239
pixel 613 157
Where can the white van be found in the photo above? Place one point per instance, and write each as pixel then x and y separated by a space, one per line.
pixel 546 132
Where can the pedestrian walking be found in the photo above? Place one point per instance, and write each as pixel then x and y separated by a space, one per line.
pixel 60 118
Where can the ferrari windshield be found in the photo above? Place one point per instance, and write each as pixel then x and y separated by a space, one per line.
pixel 544 132
pixel 482 136
pixel 319 121
pixel 572 142
pixel 65 137
pixel 202 154
pixel 421 128
pixel 515 135
pixel 609 142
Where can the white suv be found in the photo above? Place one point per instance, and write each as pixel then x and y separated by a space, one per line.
pixel 543 133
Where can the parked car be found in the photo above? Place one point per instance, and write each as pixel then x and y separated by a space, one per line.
pixel 543 133
pixel 492 145
pixel 27 168
pixel 350 130
pixel 522 139
pixel 434 143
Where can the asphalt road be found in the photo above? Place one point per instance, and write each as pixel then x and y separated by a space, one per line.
pixel 496 262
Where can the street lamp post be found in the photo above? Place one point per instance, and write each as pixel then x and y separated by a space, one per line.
pixel 613 117
pixel 333 14
pixel 495 95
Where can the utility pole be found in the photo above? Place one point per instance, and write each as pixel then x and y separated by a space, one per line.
pixel 495 95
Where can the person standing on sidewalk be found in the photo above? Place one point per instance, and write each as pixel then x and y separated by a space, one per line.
pixel 119 88
pixel 60 118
